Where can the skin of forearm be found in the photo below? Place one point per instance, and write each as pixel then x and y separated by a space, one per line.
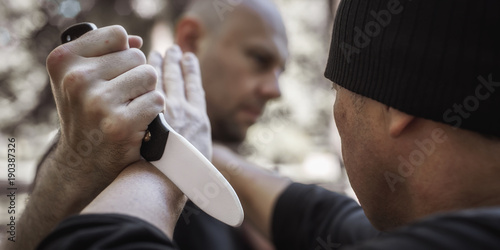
pixel 142 191
pixel 57 194
pixel 257 189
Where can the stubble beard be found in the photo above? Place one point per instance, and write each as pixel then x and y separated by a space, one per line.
pixel 227 131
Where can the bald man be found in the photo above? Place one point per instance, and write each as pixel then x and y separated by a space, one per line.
pixel 241 50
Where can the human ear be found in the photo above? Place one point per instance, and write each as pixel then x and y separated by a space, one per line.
pixel 188 33
pixel 398 121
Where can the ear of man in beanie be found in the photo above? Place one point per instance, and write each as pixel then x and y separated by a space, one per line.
pixel 438 60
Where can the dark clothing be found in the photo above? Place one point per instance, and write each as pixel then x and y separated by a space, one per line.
pixel 209 233
pixel 305 217
pixel 310 217
pixel 106 231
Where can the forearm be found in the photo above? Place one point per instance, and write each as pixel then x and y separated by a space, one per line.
pixel 142 191
pixel 259 191
pixel 257 188
pixel 58 192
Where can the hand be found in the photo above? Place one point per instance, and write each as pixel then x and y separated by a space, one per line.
pixel 185 107
pixel 105 96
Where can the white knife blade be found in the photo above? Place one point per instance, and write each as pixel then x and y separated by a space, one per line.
pixel 198 179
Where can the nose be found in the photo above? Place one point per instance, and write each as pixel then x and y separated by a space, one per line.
pixel 270 87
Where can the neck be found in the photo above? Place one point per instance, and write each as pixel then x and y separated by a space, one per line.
pixel 463 173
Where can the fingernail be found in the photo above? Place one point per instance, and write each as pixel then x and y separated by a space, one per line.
pixel 188 57
pixel 174 50
pixel 154 56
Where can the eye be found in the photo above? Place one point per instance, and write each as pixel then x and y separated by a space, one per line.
pixel 260 59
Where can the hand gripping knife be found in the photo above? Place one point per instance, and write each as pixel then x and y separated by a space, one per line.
pixel 181 162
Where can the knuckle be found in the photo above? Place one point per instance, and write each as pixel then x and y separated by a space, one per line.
pixel 74 81
pixel 194 88
pixel 94 104
pixel 172 75
pixel 149 74
pixel 113 126
pixel 137 90
pixel 137 56
pixel 119 33
pixel 56 58
pixel 157 98
pixel 174 105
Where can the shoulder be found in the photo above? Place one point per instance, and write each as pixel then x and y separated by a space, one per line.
pixel 465 229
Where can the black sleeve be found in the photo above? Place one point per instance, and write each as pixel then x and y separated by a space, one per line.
pixel 106 231
pixel 310 217
pixel 209 233
pixel 467 229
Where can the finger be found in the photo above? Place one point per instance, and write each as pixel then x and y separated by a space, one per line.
pixel 192 77
pixel 100 42
pixel 155 60
pixel 134 117
pixel 135 41
pixel 112 65
pixel 173 84
pixel 143 109
pixel 92 72
pixel 131 84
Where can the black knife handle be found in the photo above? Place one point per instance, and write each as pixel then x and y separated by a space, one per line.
pixel 75 31
pixel 155 140
pixel 153 144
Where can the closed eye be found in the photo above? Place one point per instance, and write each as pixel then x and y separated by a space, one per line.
pixel 262 60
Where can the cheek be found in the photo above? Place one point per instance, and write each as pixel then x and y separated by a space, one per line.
pixel 348 144
pixel 341 119
pixel 354 151
pixel 234 77
pixel 223 81
pixel 363 153
pixel 337 116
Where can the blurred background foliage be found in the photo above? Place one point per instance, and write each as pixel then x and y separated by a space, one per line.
pixel 296 136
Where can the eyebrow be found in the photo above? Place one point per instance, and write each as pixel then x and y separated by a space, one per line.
pixel 274 53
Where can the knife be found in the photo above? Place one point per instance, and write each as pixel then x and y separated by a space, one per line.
pixel 181 162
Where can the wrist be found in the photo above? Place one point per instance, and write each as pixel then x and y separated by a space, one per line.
pixel 142 191
pixel 82 169
pixel 68 189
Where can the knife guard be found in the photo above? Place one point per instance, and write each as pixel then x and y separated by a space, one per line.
pixel 152 149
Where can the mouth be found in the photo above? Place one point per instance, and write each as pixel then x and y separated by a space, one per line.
pixel 253 113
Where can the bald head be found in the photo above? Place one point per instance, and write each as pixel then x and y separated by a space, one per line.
pixel 242 50
pixel 214 14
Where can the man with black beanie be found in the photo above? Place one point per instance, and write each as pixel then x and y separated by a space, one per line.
pixel 417 91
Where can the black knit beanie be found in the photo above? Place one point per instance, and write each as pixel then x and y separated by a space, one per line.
pixel 435 59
